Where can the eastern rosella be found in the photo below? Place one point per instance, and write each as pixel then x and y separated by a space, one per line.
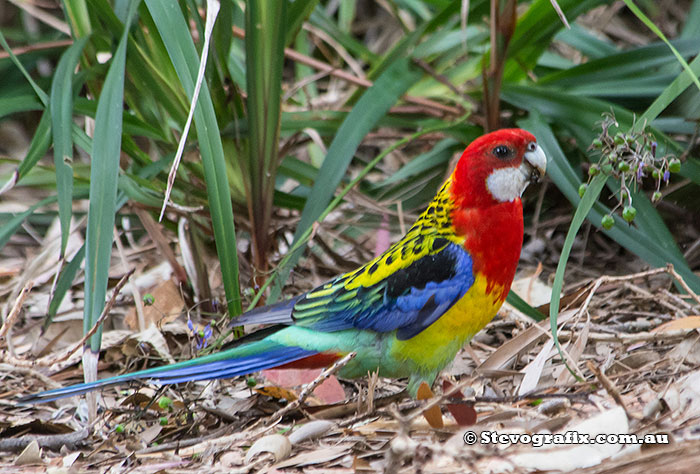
pixel 407 312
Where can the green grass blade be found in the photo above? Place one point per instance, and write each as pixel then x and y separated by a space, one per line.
pixel 372 106
pixel 170 23
pixel 635 239
pixel 264 46
pixel 8 229
pixel 655 29
pixel 671 93
pixel 78 17
pixel 65 281
pixel 584 207
pixel 37 90
pixel 61 107
pixel 297 13
pixel 691 29
pixel 37 149
pixel 521 305
pixel 104 172
pixel 19 103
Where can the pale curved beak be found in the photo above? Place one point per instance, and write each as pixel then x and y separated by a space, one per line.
pixel 534 164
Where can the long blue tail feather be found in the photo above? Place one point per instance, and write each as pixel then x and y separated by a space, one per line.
pixel 241 360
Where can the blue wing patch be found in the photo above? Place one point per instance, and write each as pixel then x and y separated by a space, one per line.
pixel 407 301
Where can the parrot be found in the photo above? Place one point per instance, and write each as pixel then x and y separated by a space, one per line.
pixel 407 312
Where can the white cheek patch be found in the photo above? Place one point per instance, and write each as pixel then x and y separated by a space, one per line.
pixel 506 184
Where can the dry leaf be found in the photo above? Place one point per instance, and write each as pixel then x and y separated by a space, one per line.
pixel 70 459
pixel 30 455
pixel 150 433
pixel 463 413
pixel 520 343
pixel 276 392
pixel 151 336
pixel 311 430
pixel 687 351
pixel 533 290
pixel 689 322
pixel 231 459
pixel 575 353
pixel 167 306
pixel 317 456
pixel 330 391
pixel 432 415
pixel 689 395
pixel 533 371
pixel 276 444
pixel 577 456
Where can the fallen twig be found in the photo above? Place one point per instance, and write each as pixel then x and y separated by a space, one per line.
pixel 48 361
pixel 427 104
pixel 666 336
pixel 14 312
pixel 53 442
pixel 610 387
pixel 679 279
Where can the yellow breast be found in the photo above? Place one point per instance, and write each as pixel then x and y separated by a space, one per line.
pixel 436 346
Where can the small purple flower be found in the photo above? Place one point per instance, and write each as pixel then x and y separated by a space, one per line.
pixel 667 175
pixel 653 149
pixel 202 336
pixel 640 171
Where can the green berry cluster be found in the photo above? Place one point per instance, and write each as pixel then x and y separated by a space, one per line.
pixel 629 157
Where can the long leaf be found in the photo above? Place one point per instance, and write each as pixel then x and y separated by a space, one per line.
pixel 37 149
pixel 632 238
pixel 104 172
pixel 640 14
pixel 37 89
pixel 170 23
pixel 373 105
pixel 61 106
pixel 582 210
pixel 8 229
pixel 264 45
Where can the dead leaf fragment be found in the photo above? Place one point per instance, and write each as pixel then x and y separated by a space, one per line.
pixel 579 456
pixel 311 430
pixel 231 459
pixel 689 322
pixel 276 444
pixel 150 433
pixel 464 412
pixel 276 392
pixel 30 455
pixel 317 456
pixel 432 415
pixel 167 305
pixel 330 391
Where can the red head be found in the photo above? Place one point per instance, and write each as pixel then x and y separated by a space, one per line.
pixel 487 183
pixel 497 167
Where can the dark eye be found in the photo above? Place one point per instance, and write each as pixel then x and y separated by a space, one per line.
pixel 502 152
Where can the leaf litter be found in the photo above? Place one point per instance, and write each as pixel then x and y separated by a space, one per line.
pixel 631 339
